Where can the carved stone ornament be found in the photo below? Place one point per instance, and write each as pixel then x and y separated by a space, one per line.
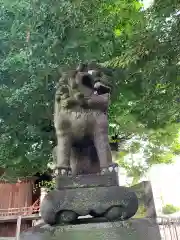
pixel 86 178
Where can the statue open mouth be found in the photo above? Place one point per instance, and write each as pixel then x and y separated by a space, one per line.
pixel 87 81
pixel 101 88
pixel 97 86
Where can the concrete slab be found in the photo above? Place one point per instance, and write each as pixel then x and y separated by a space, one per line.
pixel 136 229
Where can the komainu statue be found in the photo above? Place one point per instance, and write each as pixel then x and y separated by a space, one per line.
pixel 87 180
pixel 81 123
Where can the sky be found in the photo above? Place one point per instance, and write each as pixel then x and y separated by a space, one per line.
pixel 147 3
pixel 165 184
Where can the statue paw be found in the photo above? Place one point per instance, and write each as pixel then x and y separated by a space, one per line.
pixel 63 171
pixel 110 169
pixel 113 168
pixel 69 103
pixel 104 171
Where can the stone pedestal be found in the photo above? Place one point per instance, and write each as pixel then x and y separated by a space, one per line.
pixel 137 229
pixel 95 194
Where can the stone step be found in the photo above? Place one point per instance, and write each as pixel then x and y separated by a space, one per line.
pixel 134 229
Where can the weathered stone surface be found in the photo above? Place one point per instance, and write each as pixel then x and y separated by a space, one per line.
pixel 89 180
pixel 144 193
pixel 94 201
pixel 135 229
pixel 81 121
pixel 81 125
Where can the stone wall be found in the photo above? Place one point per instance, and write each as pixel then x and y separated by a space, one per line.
pixel 146 200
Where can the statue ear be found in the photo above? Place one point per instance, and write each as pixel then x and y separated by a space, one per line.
pixel 82 67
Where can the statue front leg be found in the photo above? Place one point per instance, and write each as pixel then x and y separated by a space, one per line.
pixel 101 142
pixel 103 149
pixel 64 145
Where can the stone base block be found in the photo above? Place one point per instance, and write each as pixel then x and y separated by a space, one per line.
pixel 90 180
pixel 134 229
pixel 66 205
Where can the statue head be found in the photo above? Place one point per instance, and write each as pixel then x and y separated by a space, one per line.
pixel 91 79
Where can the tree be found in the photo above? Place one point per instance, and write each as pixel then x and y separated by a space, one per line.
pixel 151 147
pixel 153 74
pixel 39 39
pixel 150 81
pixel 169 209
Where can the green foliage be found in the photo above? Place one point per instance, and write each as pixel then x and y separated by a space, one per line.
pixel 151 69
pixel 49 185
pixel 141 213
pixel 40 38
pixel 149 148
pixel 169 209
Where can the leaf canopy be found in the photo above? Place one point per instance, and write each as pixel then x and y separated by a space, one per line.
pixel 38 39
